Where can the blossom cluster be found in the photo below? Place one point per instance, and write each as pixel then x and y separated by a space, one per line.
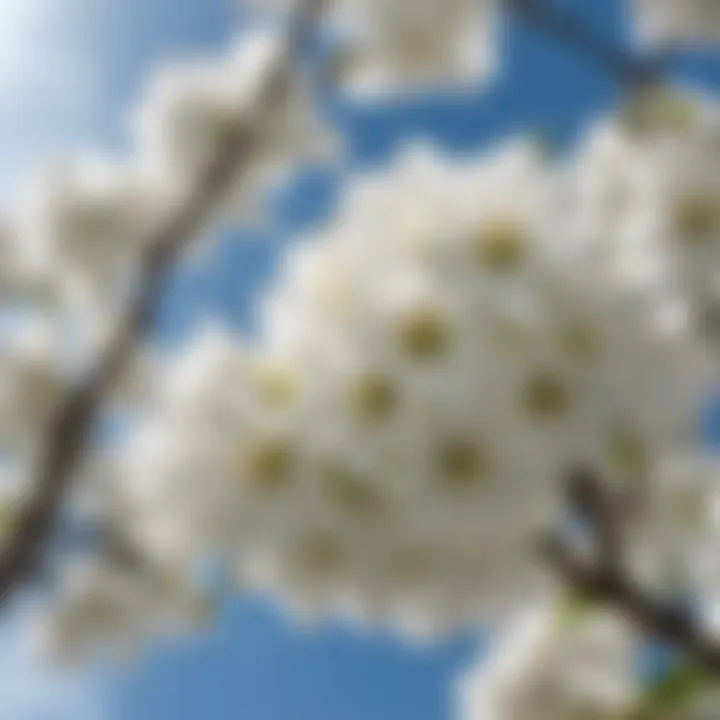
pixel 668 22
pixel 72 247
pixel 430 370
pixel 547 667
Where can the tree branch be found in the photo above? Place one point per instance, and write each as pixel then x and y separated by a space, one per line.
pixel 587 496
pixel 613 587
pixel 606 580
pixel 566 27
pixel 70 430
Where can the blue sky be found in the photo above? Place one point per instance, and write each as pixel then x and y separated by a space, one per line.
pixel 69 69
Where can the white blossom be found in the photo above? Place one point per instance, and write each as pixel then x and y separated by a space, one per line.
pixel 542 668
pixel 687 22
pixel 402 45
pixel 193 110
pixel 387 47
pixel 107 609
pixel 24 279
pixel 428 372
pixel 644 181
pixel 674 542
pixel 89 220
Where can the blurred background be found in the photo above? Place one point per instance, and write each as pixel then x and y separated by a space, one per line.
pixel 69 72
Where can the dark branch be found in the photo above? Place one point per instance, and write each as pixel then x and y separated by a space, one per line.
pixel 600 509
pixel 605 579
pixel 666 623
pixel 566 27
pixel 70 431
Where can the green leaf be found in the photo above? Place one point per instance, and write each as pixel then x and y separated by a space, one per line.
pixel 670 693
pixel 662 110
pixel 574 609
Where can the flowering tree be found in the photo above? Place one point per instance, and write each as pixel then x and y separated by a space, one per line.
pixel 474 397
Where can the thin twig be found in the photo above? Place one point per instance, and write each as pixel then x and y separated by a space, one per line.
pixel 605 579
pixel 70 431
pixel 664 622
pixel 599 508
pixel 565 26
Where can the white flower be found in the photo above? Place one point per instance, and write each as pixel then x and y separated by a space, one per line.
pixel 679 539
pixel 90 221
pixel 193 111
pixel 544 669
pixel 477 371
pixel 644 183
pixel 400 45
pixel 669 21
pixel 676 530
pixel 221 428
pixel 33 378
pixel 108 609
pixel 429 371
pixel 25 279
pixel 206 377
pixel 99 609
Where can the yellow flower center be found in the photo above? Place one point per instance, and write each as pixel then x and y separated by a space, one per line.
pixel 276 384
pixel 266 464
pixel 424 334
pixel 319 554
pixel 628 453
pixel 461 464
pixel 697 218
pixel 545 396
pixel 580 341
pixel 412 566
pixel 657 111
pixel 500 246
pixel 348 489
pixel 375 396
